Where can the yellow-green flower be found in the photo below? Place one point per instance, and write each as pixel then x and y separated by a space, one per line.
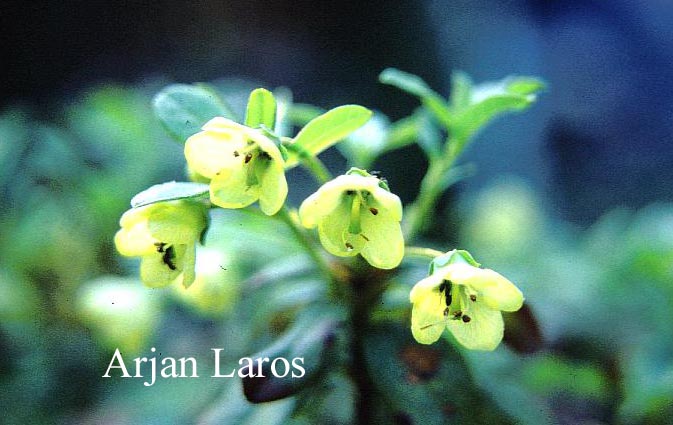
pixel 464 298
pixel 164 236
pixel 243 165
pixel 357 214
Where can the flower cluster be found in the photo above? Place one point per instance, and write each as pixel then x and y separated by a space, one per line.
pixel 355 214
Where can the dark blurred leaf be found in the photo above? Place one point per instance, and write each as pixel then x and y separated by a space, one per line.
pixel 548 375
pixel 522 332
pixel 183 109
pixel 261 110
pixel 311 337
pixel 424 384
pixel 233 408
pixel 169 192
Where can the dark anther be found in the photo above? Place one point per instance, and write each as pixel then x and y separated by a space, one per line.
pixel 167 258
pixel 349 245
pixel 364 237
pixel 160 246
pixel 265 155
pixel 473 297
pixel 446 312
pixel 236 154
pixel 248 157
pixel 445 287
pixel 350 192
pixel 466 319
pixel 457 314
pixel 373 211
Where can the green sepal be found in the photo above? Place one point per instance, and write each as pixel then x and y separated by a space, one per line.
pixel 261 109
pixel 326 130
pixel 171 191
pixel 451 257
pixel 183 109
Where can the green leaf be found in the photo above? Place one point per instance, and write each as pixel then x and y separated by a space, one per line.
pixel 327 129
pixel 261 109
pixel 169 192
pixel 415 85
pixel 487 101
pixel 183 109
pixel 428 137
pixel 363 146
pixel 301 113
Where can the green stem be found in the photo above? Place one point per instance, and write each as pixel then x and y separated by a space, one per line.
pixel 432 186
pixel 317 168
pixel 301 236
pixel 419 251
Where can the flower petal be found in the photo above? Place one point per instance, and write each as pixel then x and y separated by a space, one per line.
pixel 188 266
pixel 177 222
pixel 385 247
pixel 134 237
pixel 424 287
pixel 484 331
pixel 155 273
pixel 427 315
pixel 209 152
pixel 388 202
pixel 230 189
pixel 334 234
pixel 273 189
pixel 320 204
pixel 495 291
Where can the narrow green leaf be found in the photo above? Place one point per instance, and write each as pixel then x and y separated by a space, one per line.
pixel 402 132
pixel 429 138
pixel 301 113
pixel 327 129
pixel 489 100
pixel 183 109
pixel 415 85
pixel 407 82
pixel 525 85
pixel 261 109
pixel 461 89
pixel 170 191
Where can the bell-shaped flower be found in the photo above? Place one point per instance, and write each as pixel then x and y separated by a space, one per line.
pixel 357 214
pixel 164 236
pixel 467 300
pixel 243 165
